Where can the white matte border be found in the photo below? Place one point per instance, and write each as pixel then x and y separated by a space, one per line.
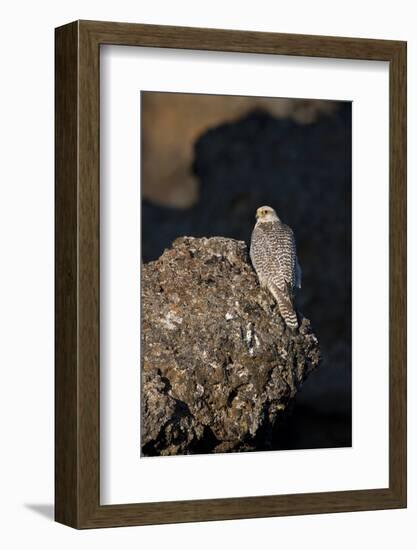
pixel 125 477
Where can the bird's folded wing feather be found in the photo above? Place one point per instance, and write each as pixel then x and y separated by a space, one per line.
pixel 278 242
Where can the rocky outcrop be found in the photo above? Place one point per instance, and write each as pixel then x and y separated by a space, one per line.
pixel 219 366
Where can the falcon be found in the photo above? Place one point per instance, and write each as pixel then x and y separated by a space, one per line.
pixel 273 255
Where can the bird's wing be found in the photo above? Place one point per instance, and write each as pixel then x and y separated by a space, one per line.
pixel 280 243
pixel 258 250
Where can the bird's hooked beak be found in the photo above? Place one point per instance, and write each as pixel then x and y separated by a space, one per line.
pixel 259 214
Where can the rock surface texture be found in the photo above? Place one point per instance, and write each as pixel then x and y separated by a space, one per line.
pixel 219 366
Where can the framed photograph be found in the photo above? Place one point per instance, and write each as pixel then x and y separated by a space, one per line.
pixel 230 274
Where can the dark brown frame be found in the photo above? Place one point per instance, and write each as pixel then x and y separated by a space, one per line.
pixel 77 274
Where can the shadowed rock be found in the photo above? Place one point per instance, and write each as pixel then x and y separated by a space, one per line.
pixel 219 366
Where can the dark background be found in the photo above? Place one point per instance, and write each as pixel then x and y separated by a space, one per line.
pixel 304 172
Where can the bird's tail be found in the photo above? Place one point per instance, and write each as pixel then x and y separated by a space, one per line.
pixel 286 307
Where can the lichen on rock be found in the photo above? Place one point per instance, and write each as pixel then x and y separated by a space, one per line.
pixel 219 366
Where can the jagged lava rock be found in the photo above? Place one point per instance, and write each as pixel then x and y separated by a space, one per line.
pixel 219 366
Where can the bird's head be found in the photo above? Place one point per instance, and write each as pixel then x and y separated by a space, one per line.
pixel 266 214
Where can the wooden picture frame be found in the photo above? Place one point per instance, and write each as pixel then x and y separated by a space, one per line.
pixel 77 375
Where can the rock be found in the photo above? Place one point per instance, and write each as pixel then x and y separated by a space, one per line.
pixel 219 366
